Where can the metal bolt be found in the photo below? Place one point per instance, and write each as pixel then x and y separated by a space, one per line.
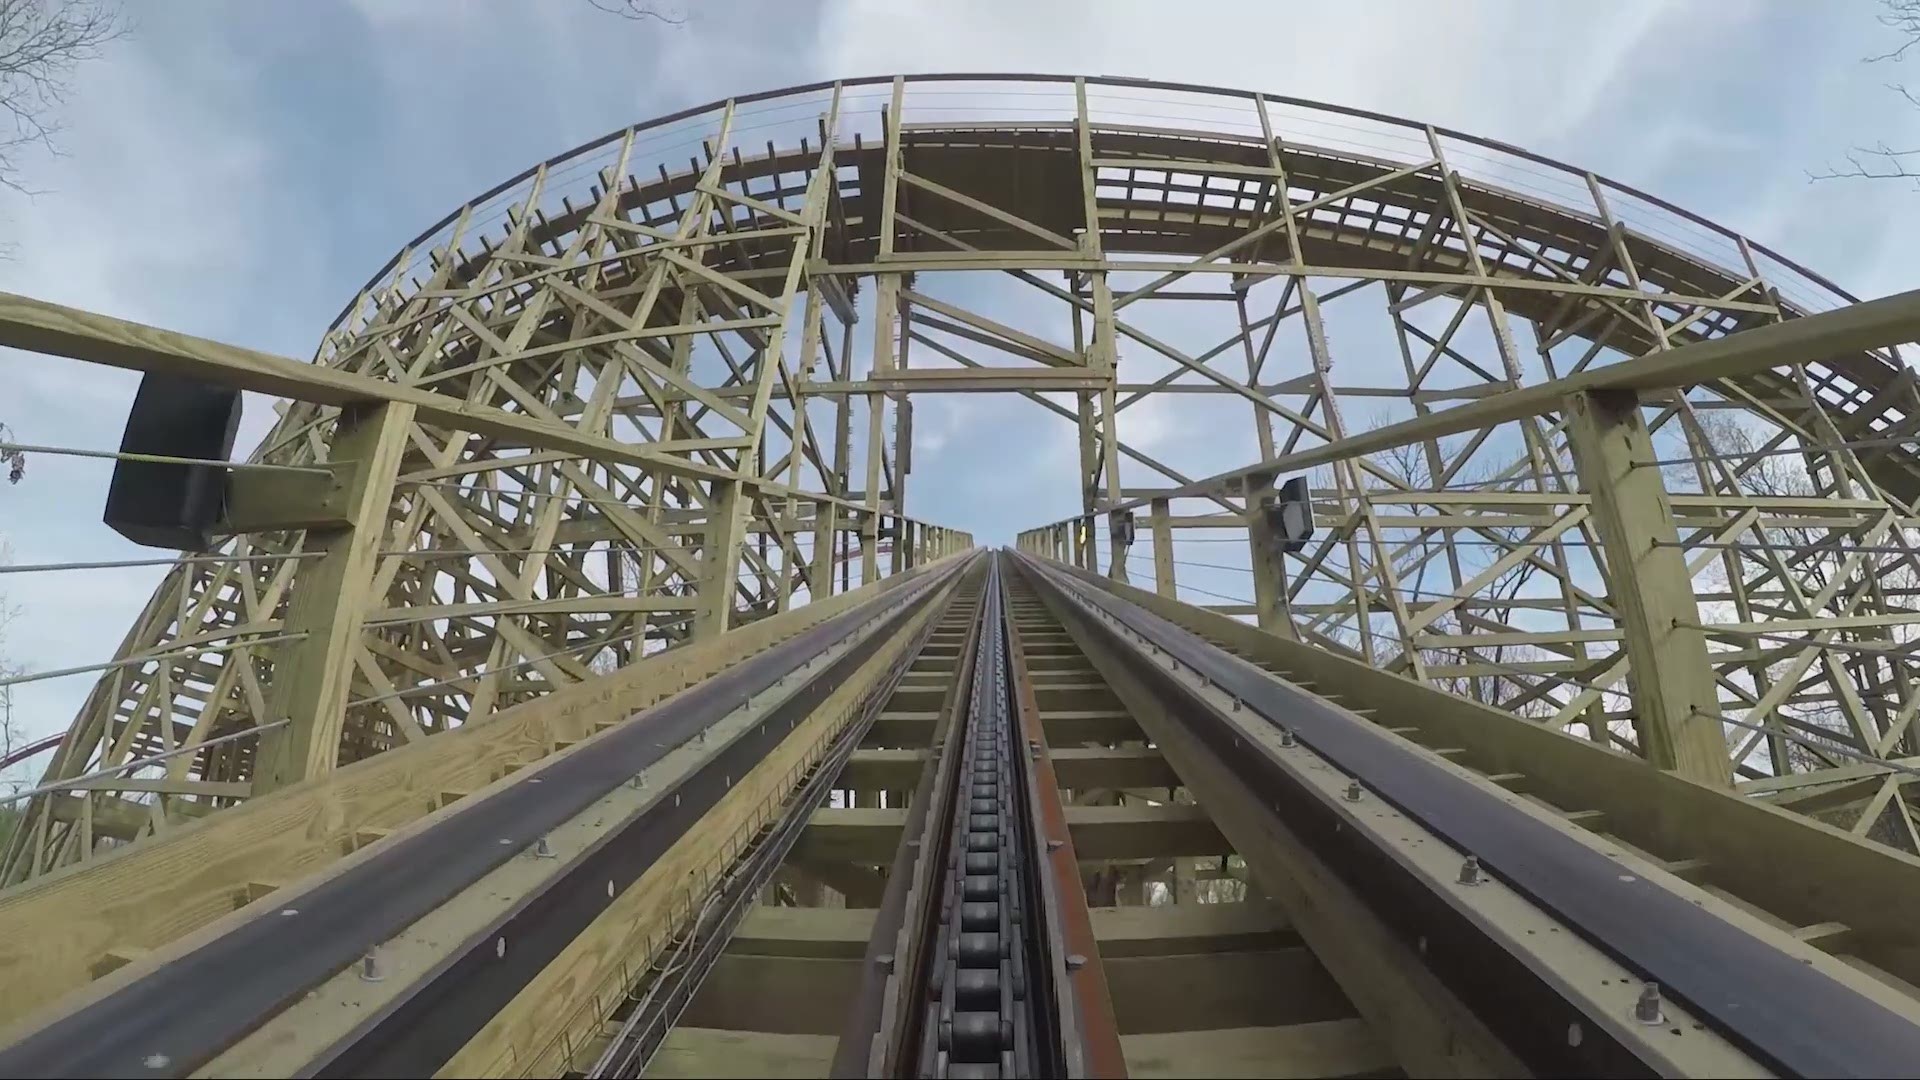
pixel 1075 962
pixel 639 781
pixel 1056 845
pixel 884 961
pixel 1647 1010
pixel 1236 704
pixel 370 968
pixel 1286 737
pixel 543 850
pixel 157 1061
pixel 1354 791
pixel 287 912
pixel 1470 871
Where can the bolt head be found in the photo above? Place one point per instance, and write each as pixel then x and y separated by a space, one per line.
pixel 1470 871
pixel 1646 1009
pixel 1075 962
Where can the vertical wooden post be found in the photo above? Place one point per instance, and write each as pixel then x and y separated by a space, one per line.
pixel 1652 592
pixel 720 560
pixel 1274 613
pixel 1160 520
pixel 885 310
pixel 312 675
pixel 825 531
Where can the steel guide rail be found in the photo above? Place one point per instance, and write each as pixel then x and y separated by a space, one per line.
pixel 175 1018
pixel 642 1033
pixel 1786 1011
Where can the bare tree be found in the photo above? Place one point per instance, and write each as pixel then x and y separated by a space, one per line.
pixel 1882 161
pixel 13 461
pixel 640 11
pixel 42 42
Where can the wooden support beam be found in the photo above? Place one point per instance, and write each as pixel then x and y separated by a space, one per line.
pixel 848 835
pixel 1873 324
pixel 311 675
pixel 720 560
pixel 816 932
pixel 1172 929
pixel 1083 768
pixel 883 770
pixel 697 1053
pixel 258 500
pixel 1269 562
pixel 1674 694
pixel 1159 521
pixel 135 899
pixel 786 995
pixel 1188 991
pixel 1140 831
pixel 1323 1048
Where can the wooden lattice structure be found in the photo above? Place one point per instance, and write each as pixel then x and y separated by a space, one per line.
pixel 660 386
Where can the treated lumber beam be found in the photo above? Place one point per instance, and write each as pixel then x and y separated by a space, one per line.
pixel 1171 929
pixel 1140 831
pixel 134 898
pixel 1322 1048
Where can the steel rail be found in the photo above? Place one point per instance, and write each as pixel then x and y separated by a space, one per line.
pixel 1788 1013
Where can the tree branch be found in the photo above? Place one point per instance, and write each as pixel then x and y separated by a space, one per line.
pixel 42 42
pixel 638 11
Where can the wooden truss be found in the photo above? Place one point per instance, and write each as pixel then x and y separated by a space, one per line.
pixel 610 407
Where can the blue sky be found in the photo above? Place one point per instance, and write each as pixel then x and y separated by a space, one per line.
pixel 237 170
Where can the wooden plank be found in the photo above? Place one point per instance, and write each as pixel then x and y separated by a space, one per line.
pixel 1845 879
pixel 787 995
pixel 55 330
pixel 1139 831
pixel 819 933
pixel 522 1034
pixel 1430 1031
pixel 331 597
pixel 1873 324
pixel 1080 768
pixel 1323 1048
pixel 881 770
pixel 150 893
pixel 696 1053
pixel 851 835
pixel 1190 991
pixel 1188 928
pixel 1674 693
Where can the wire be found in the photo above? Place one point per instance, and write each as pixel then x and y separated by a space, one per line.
pixel 1782 451
pixel 62 785
pixel 32 568
pixel 458 679
pixel 147 658
pixel 160 459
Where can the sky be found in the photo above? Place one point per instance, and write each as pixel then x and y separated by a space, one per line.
pixel 237 170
